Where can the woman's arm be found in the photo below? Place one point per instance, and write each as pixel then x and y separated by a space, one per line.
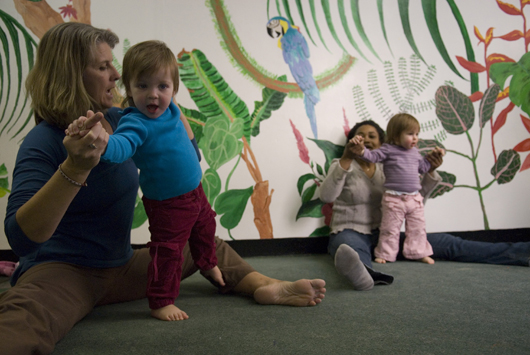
pixel 334 182
pixel 39 217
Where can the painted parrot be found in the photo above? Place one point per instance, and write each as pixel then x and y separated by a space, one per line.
pixel 296 55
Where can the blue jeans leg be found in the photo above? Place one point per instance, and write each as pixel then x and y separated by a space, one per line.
pixel 364 245
pixel 452 248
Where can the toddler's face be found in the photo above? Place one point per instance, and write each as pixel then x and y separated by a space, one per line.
pixel 409 138
pixel 152 94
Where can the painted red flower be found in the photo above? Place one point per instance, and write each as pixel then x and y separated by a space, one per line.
pixel 69 11
pixel 302 149
pixel 524 146
pixel 327 211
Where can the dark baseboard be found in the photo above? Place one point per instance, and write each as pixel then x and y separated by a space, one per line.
pixel 318 245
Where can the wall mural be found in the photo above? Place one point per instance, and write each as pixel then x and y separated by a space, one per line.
pixel 225 126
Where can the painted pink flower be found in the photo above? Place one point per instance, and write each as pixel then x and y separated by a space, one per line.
pixel 346 123
pixel 302 149
pixel 327 211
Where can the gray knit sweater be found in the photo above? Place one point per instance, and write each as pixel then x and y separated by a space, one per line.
pixel 357 198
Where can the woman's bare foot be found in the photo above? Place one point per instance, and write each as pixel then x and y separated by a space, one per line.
pixel 169 313
pixel 380 261
pixel 299 293
pixel 427 260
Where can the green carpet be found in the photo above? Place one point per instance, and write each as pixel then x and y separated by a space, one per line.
pixel 446 308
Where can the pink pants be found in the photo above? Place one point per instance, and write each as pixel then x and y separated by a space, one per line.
pixel 171 223
pixel 397 208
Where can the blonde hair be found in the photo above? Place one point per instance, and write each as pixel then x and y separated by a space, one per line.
pixel 55 84
pixel 147 58
pixel 397 124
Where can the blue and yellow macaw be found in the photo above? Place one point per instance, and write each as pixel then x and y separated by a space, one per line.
pixel 296 55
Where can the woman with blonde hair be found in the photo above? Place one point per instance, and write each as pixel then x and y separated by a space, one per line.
pixel 69 216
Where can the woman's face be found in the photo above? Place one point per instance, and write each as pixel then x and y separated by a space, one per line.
pixel 100 76
pixel 370 136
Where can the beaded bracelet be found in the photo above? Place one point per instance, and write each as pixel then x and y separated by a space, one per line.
pixel 70 180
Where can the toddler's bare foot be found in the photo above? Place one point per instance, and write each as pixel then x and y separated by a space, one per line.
pixel 215 274
pixel 299 293
pixel 380 261
pixel 427 260
pixel 169 313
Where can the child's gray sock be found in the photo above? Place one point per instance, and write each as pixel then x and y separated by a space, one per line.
pixel 348 263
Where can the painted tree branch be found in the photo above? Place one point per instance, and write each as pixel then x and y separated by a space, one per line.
pixel 39 17
pixel 260 199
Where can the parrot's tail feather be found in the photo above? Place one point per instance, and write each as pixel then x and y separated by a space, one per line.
pixel 310 111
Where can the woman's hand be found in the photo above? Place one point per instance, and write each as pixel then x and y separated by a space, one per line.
pixel 85 141
pixel 435 157
pixel 353 149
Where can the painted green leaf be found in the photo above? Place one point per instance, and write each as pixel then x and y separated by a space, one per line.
pixel 403 6
pixel 329 20
pixel 4 182
pixel 210 92
pixel 519 83
pixel 331 151
pixel 231 205
pixel 454 110
pixel 356 14
pixel 315 22
pixel 358 24
pixel 447 184
pixel 309 193
pixel 321 232
pixel 272 101
pixel 311 208
pixel 429 12
pixel 139 213
pixel 196 120
pixel 467 42
pixel 382 22
pixel 302 16
pixel 302 181
pixel 12 43
pixel 220 142
pixel 426 145
pixel 487 104
pixel 506 166
pixel 211 184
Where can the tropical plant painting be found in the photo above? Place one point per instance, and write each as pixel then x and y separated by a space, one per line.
pixel 271 88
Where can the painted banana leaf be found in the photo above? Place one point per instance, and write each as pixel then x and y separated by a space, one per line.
pixel 430 15
pixel 15 114
pixel 227 116
pixel 221 123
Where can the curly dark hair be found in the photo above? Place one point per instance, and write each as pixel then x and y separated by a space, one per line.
pixel 379 130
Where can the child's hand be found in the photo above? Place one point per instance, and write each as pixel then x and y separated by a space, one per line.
pixel 83 124
pixel 215 275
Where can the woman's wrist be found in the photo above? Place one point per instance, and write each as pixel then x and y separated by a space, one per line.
pixel 73 174
pixel 345 162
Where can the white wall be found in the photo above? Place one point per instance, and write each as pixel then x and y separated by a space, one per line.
pixel 189 25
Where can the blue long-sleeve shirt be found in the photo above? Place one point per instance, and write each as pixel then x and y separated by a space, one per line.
pixel 161 149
